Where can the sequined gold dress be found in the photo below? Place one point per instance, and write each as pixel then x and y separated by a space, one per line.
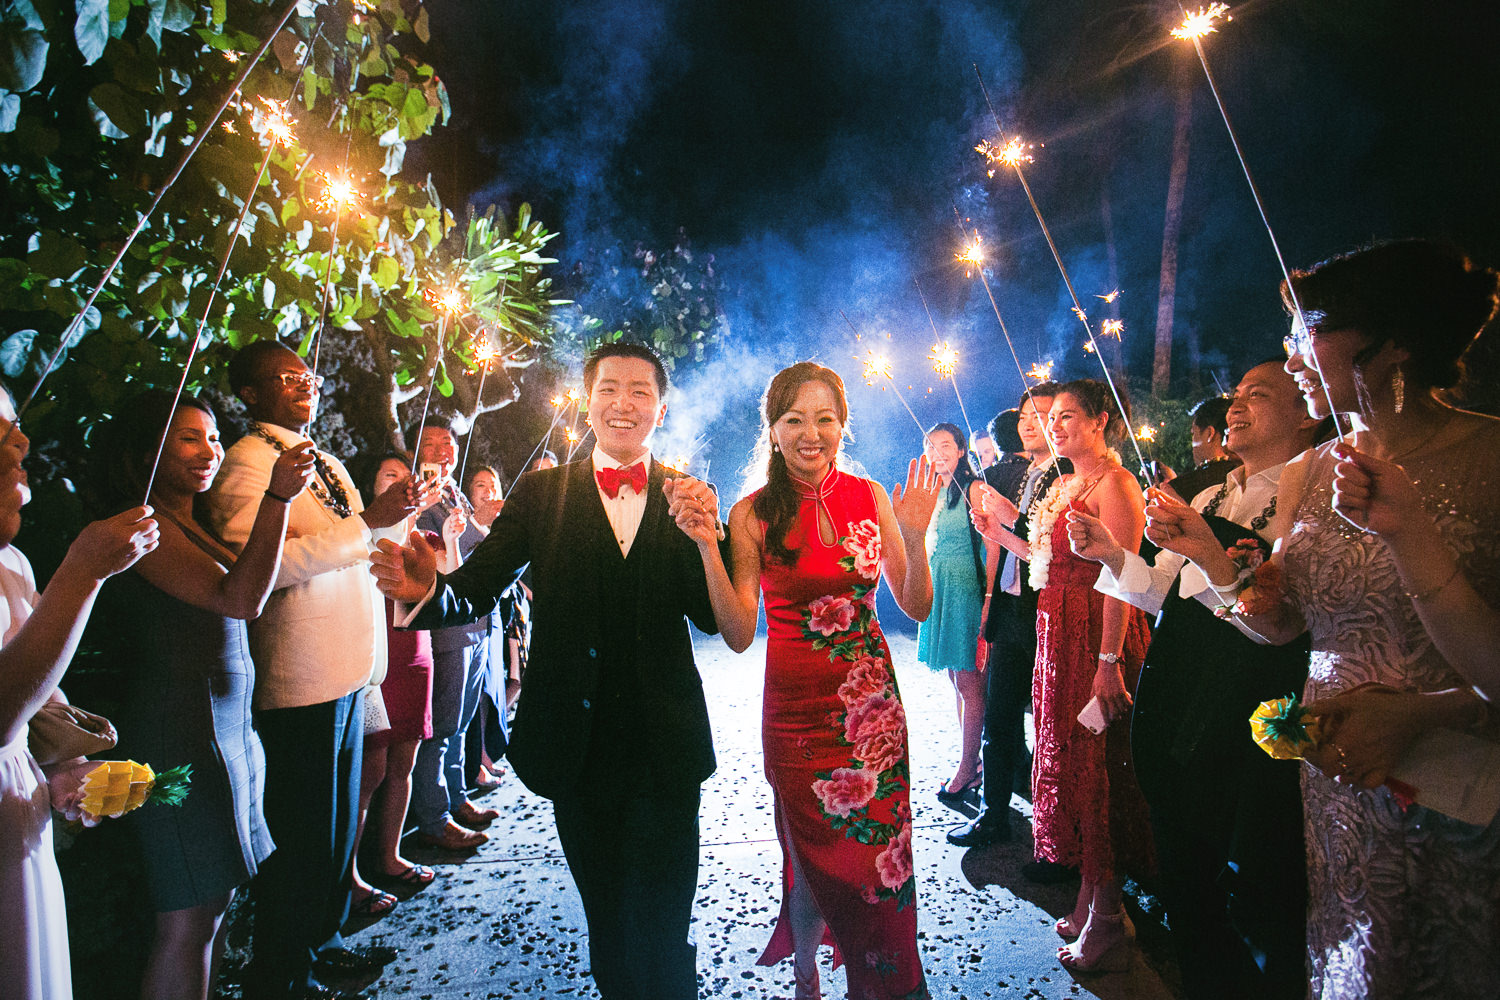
pixel 1402 902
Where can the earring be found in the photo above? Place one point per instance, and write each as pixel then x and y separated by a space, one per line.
pixel 1398 388
pixel 775 447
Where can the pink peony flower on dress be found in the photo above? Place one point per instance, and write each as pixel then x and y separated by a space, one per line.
pixel 894 863
pixel 863 543
pixel 868 676
pixel 831 615
pixel 846 790
pixel 876 727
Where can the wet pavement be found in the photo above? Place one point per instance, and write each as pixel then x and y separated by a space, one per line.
pixel 507 922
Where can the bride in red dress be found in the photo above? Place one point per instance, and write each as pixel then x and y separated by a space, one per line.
pixel 833 727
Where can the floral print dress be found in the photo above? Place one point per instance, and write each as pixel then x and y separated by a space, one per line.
pixel 834 733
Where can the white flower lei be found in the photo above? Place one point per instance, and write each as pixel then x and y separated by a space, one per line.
pixel 1043 520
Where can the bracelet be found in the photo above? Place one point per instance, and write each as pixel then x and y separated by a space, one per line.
pixel 989 594
pixel 1110 657
pixel 1424 595
pixel 278 499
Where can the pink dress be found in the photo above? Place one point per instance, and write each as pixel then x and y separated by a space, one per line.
pixel 834 733
pixel 1086 805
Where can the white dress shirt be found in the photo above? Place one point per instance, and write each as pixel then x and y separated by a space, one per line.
pixel 625 509
pixel 1146 585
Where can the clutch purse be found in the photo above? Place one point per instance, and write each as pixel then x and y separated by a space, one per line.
pixel 60 732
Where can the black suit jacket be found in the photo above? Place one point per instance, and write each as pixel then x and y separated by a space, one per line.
pixel 612 697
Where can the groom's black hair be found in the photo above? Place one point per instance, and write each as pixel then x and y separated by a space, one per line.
pixel 625 349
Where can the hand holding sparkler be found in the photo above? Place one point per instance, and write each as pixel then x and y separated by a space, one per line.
pixel 400 500
pixel 1176 526
pixel 997 508
pixel 292 472
pixel 1091 539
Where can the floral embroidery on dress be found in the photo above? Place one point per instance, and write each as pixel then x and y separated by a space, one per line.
pixel 872 723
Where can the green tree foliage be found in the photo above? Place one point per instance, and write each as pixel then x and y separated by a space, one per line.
pixel 98 101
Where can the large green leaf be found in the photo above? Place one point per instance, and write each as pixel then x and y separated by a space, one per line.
pixel 119 107
pixel 92 29
pixel 15 352
pixel 23 56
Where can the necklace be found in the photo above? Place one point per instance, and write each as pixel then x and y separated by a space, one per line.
pixel 330 492
pixel 1058 499
pixel 1257 523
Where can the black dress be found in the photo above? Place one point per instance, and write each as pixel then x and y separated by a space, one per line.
pixel 190 680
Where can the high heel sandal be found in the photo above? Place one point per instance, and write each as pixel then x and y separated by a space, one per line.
pixel 1069 931
pixel 1116 956
pixel 807 989
pixel 967 795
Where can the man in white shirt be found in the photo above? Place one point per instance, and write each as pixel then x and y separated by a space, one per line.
pixel 315 646
pixel 1226 818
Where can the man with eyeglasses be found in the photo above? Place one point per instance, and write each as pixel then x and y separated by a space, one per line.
pixel 316 645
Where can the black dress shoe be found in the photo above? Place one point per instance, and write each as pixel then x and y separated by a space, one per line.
pixel 337 963
pixel 979 834
pixel 1048 873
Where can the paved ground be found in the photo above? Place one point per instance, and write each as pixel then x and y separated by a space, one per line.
pixel 507 922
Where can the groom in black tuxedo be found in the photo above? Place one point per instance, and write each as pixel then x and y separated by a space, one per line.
pixel 611 725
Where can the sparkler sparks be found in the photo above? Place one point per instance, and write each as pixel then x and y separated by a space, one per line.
pixel 1012 153
pixel 572 435
pixel 1109 297
pixel 574 395
pixel 448 300
pixel 1145 433
pixel 877 366
pixel 1112 328
pixel 973 254
pixel 1201 22
pixel 339 194
pixel 1040 372
pixel 276 122
pixel 944 360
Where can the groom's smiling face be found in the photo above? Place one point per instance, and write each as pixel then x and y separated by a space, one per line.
pixel 625 406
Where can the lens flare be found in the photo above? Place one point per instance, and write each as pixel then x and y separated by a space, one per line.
pixel 1201 22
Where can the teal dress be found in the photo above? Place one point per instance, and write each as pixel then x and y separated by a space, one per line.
pixel 949 638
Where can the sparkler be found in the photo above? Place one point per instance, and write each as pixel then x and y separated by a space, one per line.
pixel 337 194
pixel 1040 372
pixel 559 403
pixel 1146 433
pixel 878 366
pixel 945 362
pixel 1067 280
pixel 161 192
pixel 1004 331
pixel 484 353
pixel 280 135
pixel 1193 27
pixel 448 302
pixel 1109 296
pixel 1112 328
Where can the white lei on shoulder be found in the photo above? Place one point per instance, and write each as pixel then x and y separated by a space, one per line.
pixel 1044 519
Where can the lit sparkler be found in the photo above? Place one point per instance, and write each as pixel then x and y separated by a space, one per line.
pixel 1145 433
pixel 944 360
pixel 1088 347
pixel 1201 22
pixel 572 435
pixel 228 126
pixel 445 300
pixel 484 353
pixel 1193 28
pixel 1040 372
pixel 339 194
pixel 1112 328
pixel 276 121
pixel 877 366
pixel 1067 279
pixel 1110 296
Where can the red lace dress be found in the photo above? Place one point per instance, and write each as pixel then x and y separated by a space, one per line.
pixel 1086 806
pixel 834 733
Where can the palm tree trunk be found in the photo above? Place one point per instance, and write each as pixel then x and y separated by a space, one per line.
pixel 1166 299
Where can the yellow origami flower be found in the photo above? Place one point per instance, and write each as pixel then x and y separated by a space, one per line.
pixel 116 787
pixel 1284 729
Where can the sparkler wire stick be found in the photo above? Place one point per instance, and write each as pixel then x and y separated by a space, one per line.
pixel 333 251
pixel 1193 29
pixel 1067 281
pixel 1025 382
pixel 952 376
pixel 484 370
pixel 920 429
pixel 161 192
pixel 546 436
pixel 213 291
pixel 416 445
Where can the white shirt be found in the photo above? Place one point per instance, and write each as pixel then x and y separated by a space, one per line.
pixel 18 594
pixel 626 509
pixel 1146 586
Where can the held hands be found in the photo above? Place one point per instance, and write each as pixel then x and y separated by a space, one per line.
pixel 1372 494
pixel 913 506
pixel 293 470
pixel 404 573
pixel 1091 539
pixel 693 504
pixel 401 499
pixel 112 545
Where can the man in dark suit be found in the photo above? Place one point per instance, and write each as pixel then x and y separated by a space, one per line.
pixel 612 725
pixel 1010 629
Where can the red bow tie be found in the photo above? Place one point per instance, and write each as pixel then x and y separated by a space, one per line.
pixel 610 480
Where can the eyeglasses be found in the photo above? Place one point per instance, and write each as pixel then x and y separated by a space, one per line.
pixel 304 380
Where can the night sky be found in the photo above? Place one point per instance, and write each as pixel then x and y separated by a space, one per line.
pixel 818 150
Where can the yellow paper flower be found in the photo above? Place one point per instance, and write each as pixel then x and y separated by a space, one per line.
pixel 1283 728
pixel 116 787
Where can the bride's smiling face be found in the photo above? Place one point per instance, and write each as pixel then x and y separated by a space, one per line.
pixel 809 433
